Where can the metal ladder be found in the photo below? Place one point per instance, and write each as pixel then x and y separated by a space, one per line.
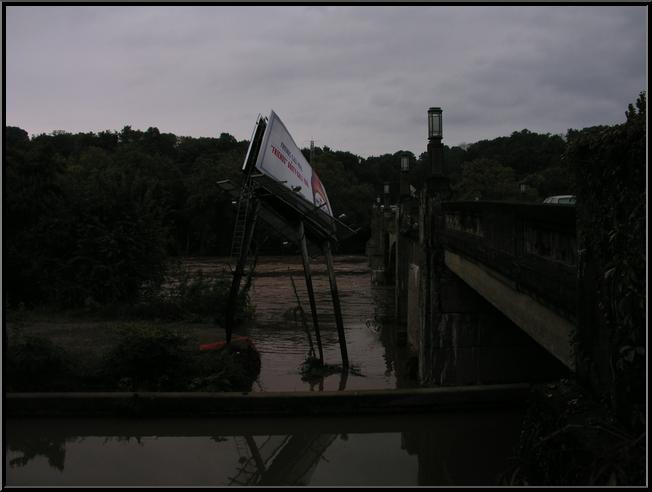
pixel 241 217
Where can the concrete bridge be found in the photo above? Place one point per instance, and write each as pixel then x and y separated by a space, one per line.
pixel 522 258
pixel 484 290
pixel 489 292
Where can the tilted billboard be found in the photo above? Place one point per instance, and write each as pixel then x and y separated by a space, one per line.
pixel 280 158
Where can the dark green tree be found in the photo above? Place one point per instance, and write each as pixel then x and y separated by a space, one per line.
pixel 485 179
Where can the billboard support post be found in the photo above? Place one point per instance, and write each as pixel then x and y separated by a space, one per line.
pixel 311 293
pixel 336 305
pixel 291 200
pixel 239 270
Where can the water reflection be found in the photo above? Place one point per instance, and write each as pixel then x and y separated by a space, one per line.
pixel 53 448
pixel 292 461
pixel 277 330
pixel 441 449
pixel 317 382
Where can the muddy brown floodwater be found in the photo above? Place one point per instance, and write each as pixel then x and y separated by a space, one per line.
pixel 444 448
pixel 376 361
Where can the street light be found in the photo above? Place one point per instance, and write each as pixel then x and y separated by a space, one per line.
pixel 434 123
pixel 437 179
pixel 404 185
pixel 405 163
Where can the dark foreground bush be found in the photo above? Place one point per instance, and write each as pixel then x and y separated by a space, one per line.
pixel 570 439
pixel 143 358
pixel 232 368
pixel 146 357
pixel 150 358
pixel 37 364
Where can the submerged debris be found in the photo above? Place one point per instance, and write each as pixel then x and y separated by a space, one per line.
pixel 312 369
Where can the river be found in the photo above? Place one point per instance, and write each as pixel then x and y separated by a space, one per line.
pixel 439 449
pixel 449 448
pixel 376 360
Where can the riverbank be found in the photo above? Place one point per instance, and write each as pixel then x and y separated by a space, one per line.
pixel 377 362
pixel 294 403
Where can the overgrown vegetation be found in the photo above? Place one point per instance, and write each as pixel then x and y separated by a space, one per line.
pixel 147 357
pixel 569 439
pixel 595 434
pixel 35 364
pixel 233 368
pixel 611 169
pixel 143 357
pixel 91 219
pixel 189 296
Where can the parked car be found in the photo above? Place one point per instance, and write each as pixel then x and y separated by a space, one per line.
pixel 561 199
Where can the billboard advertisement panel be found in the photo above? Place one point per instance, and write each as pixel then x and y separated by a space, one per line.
pixel 280 158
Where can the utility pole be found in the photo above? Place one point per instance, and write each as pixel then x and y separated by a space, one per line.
pixel 312 151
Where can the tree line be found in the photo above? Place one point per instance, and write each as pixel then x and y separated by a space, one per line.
pixel 93 217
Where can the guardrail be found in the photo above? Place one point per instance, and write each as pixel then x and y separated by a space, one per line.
pixel 533 245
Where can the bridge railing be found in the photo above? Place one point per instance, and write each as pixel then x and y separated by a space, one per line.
pixel 533 245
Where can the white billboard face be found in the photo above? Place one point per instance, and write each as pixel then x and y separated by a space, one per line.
pixel 280 158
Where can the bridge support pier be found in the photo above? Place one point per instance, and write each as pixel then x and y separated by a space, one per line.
pixel 469 341
pixel 457 335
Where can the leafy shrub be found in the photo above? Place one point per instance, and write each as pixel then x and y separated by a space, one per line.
pixel 570 439
pixel 199 294
pixel 232 368
pixel 218 371
pixel 147 358
pixel 192 296
pixel 143 358
pixel 36 364
pixel 611 200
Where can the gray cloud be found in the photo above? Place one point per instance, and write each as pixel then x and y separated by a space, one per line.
pixel 353 78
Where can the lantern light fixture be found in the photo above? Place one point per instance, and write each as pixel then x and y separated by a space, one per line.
pixel 434 123
pixel 405 163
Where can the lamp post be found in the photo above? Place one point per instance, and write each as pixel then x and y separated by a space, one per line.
pixel 386 194
pixel 435 146
pixel 405 163
pixel 434 123
pixel 437 180
pixel 404 184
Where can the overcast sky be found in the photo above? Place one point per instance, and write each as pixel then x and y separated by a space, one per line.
pixel 352 78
